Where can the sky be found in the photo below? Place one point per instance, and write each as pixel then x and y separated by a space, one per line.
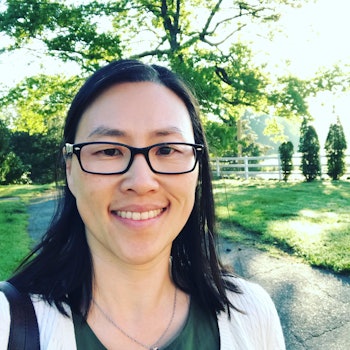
pixel 313 36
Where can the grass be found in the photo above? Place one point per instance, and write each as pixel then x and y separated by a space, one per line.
pixel 309 220
pixel 24 192
pixel 14 239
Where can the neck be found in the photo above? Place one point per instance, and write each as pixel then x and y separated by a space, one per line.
pixel 139 299
pixel 132 286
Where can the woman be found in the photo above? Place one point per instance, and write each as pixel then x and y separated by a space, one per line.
pixel 130 260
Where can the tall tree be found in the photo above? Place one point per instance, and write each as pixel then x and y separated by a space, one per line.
pixel 335 150
pixel 309 146
pixel 198 39
pixel 303 128
pixel 286 155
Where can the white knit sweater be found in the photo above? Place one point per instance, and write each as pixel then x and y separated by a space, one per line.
pixel 258 328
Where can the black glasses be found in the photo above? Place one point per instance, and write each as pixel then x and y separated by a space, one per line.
pixel 110 158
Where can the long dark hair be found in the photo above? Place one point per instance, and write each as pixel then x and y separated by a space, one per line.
pixel 60 267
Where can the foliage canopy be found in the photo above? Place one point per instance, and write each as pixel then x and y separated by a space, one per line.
pixel 199 40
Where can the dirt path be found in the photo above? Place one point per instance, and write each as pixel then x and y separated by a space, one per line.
pixel 40 212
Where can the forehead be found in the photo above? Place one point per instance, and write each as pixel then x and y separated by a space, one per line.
pixel 136 109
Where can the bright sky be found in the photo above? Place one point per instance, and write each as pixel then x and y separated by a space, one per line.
pixel 314 36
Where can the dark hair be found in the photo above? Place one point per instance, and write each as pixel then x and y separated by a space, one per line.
pixel 60 267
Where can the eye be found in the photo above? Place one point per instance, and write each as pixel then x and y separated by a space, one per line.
pixel 108 151
pixel 111 152
pixel 165 150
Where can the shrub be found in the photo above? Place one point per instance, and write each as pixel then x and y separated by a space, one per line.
pixel 309 146
pixel 286 150
pixel 12 170
pixel 335 147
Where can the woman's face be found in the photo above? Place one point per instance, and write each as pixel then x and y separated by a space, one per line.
pixel 133 218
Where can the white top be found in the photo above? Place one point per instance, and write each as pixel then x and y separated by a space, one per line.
pixel 258 328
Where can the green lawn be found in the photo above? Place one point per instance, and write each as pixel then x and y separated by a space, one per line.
pixel 14 240
pixel 310 220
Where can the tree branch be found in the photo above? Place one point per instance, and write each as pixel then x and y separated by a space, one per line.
pixel 205 40
pixel 214 11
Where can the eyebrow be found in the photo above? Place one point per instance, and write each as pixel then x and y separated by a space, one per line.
pixel 168 131
pixel 105 131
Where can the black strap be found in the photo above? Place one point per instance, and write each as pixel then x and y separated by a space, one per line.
pixel 24 331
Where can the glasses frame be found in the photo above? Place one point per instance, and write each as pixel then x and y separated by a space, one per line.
pixel 76 149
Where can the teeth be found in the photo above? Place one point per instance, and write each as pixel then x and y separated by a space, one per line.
pixel 138 216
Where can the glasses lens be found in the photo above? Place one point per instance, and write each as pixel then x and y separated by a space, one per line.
pixel 114 158
pixel 104 158
pixel 172 158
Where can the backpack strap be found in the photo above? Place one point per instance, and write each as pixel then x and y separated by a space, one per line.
pixel 24 330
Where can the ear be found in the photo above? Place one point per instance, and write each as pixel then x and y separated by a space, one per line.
pixel 67 160
pixel 69 176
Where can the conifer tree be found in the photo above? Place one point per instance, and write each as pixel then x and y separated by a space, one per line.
pixel 335 147
pixel 309 146
pixel 286 155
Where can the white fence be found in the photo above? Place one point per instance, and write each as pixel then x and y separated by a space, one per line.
pixel 265 167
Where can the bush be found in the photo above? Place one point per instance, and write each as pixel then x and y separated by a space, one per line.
pixel 11 166
pixel 286 150
pixel 12 170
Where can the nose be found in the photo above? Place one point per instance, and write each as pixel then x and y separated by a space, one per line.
pixel 139 178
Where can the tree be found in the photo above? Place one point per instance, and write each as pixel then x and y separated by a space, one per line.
pixel 36 109
pixel 197 39
pixel 11 166
pixel 38 104
pixel 4 140
pixel 309 146
pixel 220 139
pixel 335 147
pixel 4 149
pixel 39 154
pixel 286 150
pixel 223 140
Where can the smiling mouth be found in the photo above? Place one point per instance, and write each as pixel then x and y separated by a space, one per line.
pixel 137 216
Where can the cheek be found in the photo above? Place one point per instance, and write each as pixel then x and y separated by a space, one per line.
pixel 87 188
pixel 187 188
pixel 76 179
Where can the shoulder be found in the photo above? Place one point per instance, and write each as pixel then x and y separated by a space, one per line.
pixel 4 321
pixel 56 330
pixel 257 322
pixel 254 299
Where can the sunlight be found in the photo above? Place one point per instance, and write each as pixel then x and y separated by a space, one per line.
pixel 312 214
pixel 305 230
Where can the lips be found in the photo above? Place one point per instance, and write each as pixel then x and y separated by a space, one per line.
pixel 138 216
